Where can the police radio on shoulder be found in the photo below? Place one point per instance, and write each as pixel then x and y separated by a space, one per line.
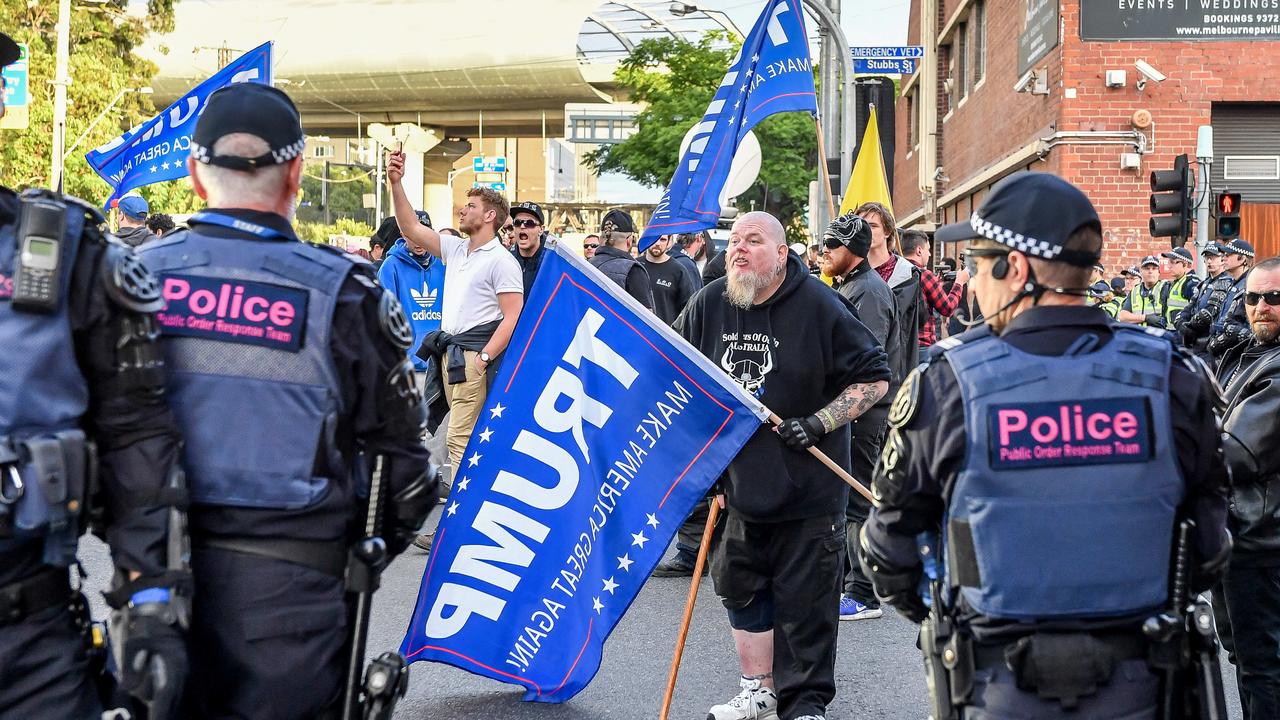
pixel 37 281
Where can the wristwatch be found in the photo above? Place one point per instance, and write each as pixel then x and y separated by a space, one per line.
pixel 485 357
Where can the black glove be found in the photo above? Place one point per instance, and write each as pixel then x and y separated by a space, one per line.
pixel 898 587
pixel 1217 297
pixel 1156 320
pixel 408 509
pixel 1200 322
pixel 153 665
pixel 801 433
pixel 1220 343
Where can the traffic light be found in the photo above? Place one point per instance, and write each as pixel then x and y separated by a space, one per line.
pixel 1228 216
pixel 1171 202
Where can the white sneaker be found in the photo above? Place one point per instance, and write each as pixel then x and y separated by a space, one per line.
pixel 812 717
pixel 753 703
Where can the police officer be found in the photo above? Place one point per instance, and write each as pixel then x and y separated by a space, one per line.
pixel 613 257
pixel 83 388
pixel 1196 320
pixel 1054 450
pixel 1231 326
pixel 290 381
pixel 1142 305
pixel 1175 294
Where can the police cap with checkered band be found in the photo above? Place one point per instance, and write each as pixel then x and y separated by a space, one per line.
pixel 254 109
pixel 1033 213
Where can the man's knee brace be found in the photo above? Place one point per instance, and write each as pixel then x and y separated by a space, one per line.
pixel 756 617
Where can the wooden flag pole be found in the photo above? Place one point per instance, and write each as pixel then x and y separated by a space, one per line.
pixel 822 170
pixel 688 608
pixel 831 465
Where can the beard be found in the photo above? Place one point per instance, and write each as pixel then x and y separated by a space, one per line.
pixel 742 285
pixel 1265 330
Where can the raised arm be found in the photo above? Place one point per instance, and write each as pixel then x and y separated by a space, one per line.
pixel 415 233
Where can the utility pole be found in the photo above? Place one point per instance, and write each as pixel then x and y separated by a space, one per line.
pixel 61 80
pixel 928 84
pixel 1204 163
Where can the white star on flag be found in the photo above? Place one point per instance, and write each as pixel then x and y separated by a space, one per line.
pixel 462 484
pixel 652 521
pixel 610 585
pixel 453 509
pixel 496 411
pixel 484 436
pixel 164 165
pixel 474 459
pixel 153 168
pixel 639 539
pixel 595 605
pixel 755 58
pixel 624 562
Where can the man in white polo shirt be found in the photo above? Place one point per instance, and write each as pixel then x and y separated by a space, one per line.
pixel 486 293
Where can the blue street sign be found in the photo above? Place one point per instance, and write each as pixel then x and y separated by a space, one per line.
pixel 15 80
pixel 484 164
pixel 499 186
pixel 900 51
pixel 883 66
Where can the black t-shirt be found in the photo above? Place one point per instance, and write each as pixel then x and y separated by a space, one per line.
pixel 671 288
pixel 797 352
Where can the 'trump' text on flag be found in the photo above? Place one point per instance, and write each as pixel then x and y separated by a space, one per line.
pixel 157 150
pixel 772 73
pixel 602 430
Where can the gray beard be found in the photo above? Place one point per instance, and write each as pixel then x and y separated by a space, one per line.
pixel 741 287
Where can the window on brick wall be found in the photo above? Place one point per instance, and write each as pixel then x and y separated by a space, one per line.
pixel 962 57
pixel 978 21
pixel 913 121
pixel 946 62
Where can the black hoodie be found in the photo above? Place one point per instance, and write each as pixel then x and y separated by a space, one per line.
pixel 796 351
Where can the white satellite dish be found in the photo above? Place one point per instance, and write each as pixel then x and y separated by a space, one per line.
pixel 744 170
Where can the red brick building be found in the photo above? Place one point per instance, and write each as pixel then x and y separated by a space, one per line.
pixel 1018 88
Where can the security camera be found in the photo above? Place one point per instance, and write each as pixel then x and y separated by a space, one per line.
pixel 1148 73
pixel 1026 82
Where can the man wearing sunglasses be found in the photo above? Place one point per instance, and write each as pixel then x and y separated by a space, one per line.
pixel 1248 606
pixel 526 222
pixel 590 244
pixel 1056 450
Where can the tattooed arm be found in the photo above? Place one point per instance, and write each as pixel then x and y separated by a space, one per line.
pixel 855 400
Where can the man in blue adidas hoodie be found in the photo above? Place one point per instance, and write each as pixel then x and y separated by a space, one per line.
pixel 417 282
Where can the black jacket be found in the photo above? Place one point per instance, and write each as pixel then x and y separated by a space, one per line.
pixel 1252 432
pixel 797 351
pixel 677 253
pixel 905 284
pixel 626 271
pixel 874 303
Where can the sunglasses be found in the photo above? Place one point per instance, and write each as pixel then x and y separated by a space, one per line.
pixel 507 230
pixel 526 223
pixel 590 246
pixel 971 258
pixel 1272 298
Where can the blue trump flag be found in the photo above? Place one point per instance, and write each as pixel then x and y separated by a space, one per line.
pixel 157 150
pixel 772 73
pixel 601 431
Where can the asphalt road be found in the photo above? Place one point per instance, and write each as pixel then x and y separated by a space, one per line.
pixel 877 667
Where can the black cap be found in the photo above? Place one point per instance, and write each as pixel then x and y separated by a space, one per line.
pixel 1131 271
pixel 251 108
pixel 528 207
pixel 8 50
pixel 423 217
pixel 617 221
pixel 850 231
pixel 1031 212
pixel 1117 284
pixel 1100 288
pixel 1239 246
pixel 1213 249
pixel 1181 253
pixel 1150 260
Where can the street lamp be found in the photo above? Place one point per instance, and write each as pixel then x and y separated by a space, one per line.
pixel 680 9
pixel 61 81
pixel 120 95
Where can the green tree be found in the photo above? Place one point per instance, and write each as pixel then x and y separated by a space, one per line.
pixel 675 80
pixel 102 63
pixel 347 188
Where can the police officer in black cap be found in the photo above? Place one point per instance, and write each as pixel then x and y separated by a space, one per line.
pixel 82 406
pixel 291 382
pixel 1231 326
pixel 613 257
pixel 1195 321
pixel 1055 452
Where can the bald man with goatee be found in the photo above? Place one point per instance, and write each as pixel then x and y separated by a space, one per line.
pixel 778 560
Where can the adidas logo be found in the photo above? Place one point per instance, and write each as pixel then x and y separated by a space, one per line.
pixel 425 299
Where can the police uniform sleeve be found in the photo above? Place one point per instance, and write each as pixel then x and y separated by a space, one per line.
pixel 386 414
pixel 112 308
pixel 1196 405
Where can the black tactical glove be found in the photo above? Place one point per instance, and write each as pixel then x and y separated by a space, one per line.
pixel 898 587
pixel 408 509
pixel 1200 322
pixel 1217 297
pixel 1156 320
pixel 153 665
pixel 801 433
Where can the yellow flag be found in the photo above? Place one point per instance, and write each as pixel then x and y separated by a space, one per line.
pixel 868 182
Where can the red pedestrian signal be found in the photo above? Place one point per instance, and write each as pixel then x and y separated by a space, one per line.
pixel 1228 223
